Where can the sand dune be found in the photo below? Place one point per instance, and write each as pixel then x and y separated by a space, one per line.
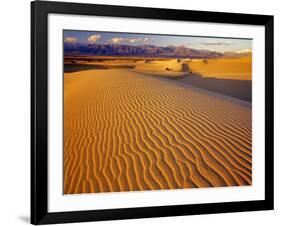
pixel 165 68
pixel 126 131
pixel 163 65
pixel 225 68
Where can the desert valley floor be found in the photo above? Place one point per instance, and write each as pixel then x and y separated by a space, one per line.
pixel 126 130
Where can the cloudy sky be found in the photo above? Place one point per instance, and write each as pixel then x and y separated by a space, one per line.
pixel 214 44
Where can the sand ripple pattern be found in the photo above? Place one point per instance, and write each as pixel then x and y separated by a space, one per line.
pixel 124 131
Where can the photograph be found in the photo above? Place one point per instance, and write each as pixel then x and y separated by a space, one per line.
pixel 140 112
pixel 145 112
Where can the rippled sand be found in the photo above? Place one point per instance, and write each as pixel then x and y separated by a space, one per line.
pixel 127 131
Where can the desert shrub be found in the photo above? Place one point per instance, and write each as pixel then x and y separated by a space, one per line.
pixel 184 67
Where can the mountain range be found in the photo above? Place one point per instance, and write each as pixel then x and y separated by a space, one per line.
pixel 80 49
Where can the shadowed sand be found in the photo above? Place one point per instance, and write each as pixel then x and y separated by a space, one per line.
pixel 241 89
pixel 127 131
pixel 228 76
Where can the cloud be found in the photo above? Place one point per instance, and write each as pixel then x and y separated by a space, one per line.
pixel 94 38
pixel 147 39
pixel 247 50
pixel 70 39
pixel 118 40
pixel 222 43
pixel 134 40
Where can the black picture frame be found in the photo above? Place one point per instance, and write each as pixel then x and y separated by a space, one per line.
pixel 39 112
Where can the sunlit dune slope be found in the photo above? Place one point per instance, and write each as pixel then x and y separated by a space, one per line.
pixel 161 65
pixel 125 131
pixel 225 68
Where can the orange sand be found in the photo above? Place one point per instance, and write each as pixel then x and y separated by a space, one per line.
pixel 126 131
pixel 226 68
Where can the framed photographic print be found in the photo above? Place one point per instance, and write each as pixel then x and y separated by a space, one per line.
pixel 145 112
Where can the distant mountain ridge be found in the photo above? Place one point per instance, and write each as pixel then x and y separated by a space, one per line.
pixel 78 49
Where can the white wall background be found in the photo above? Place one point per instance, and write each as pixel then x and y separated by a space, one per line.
pixel 15 111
